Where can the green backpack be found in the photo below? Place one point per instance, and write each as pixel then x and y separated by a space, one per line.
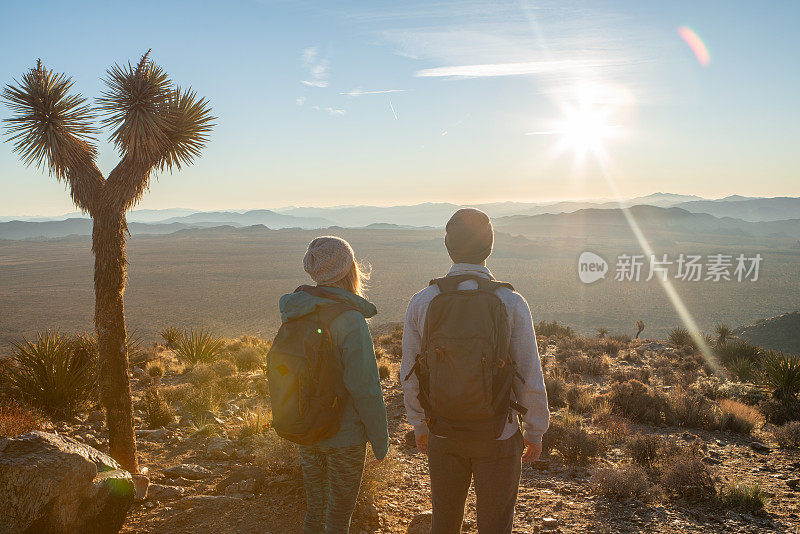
pixel 465 369
pixel 306 387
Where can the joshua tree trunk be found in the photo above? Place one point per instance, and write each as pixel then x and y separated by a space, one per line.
pixel 108 245
pixel 156 127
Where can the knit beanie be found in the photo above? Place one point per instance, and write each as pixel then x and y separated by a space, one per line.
pixel 469 236
pixel 328 259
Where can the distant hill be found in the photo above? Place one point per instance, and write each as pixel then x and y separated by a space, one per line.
pixel 74 226
pixel 748 209
pixel 778 333
pixel 600 222
pixel 268 218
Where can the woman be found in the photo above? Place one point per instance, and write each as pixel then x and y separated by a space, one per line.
pixel 333 467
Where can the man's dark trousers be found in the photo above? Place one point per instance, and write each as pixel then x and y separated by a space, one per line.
pixel 494 464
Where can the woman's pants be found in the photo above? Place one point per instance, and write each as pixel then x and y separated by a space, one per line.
pixel 332 478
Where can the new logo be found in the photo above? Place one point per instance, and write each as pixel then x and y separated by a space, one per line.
pixel 591 267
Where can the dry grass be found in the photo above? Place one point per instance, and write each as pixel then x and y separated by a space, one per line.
pixel 574 443
pixel 201 375
pixel 645 449
pixel 638 401
pixel 224 368
pixel 787 435
pixel 556 388
pixel 157 411
pixel 580 399
pixel 257 421
pixel 684 475
pixel 626 481
pixel 176 393
pixel 734 416
pixel 155 369
pixel 249 358
pixel 689 409
pixel 747 498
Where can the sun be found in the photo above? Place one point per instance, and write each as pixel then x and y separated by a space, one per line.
pixel 585 129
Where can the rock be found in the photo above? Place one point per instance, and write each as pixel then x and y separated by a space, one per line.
pixel 793 483
pixel 540 465
pixel 549 522
pixel 711 460
pixel 96 419
pixel 759 447
pixel 152 435
pixel 190 471
pixel 219 448
pixel 420 524
pixel 251 478
pixel 161 492
pixel 52 483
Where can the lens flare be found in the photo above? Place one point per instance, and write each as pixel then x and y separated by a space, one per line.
pixel 696 44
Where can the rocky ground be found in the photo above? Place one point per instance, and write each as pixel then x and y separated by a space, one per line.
pixel 212 472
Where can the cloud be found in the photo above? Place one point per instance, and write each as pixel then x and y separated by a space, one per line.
pixel 359 92
pixel 317 67
pixel 513 69
pixel 393 111
pixel 329 110
pixel 310 55
pixel 315 83
pixel 300 100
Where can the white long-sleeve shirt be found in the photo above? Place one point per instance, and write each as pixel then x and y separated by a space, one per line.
pixel 524 352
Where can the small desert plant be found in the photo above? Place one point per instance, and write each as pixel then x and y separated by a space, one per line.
pixel 277 455
pixel 742 369
pixel 574 443
pixel 55 373
pixel 782 374
pixel 689 409
pixel 627 481
pixel 198 346
pixel 157 411
pixel 787 435
pixel 171 335
pixel 224 368
pixel 392 344
pixel 602 332
pixel 622 339
pixel 733 416
pixel 176 393
pixel 639 328
pixel 780 412
pixel 556 388
pixel 156 369
pixel 744 497
pixel 580 399
pixel 17 418
pixel 257 421
pixel 638 401
pixel 201 375
pixel 553 329
pixel 383 371
pixel 249 358
pixel 645 449
pixel 636 373
pixel 261 387
pixel 202 400
pixel 680 337
pixel 723 333
pixel 684 475
pixel 232 385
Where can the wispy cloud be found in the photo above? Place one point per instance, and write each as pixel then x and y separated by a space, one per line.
pixel 512 69
pixel 329 110
pixel 300 100
pixel 393 111
pixel 359 92
pixel 317 67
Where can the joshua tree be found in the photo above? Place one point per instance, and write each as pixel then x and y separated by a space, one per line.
pixel 639 328
pixel 155 126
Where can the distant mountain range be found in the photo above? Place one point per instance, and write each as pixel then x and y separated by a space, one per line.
pixel 734 215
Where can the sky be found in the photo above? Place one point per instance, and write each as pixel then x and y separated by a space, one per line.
pixel 385 103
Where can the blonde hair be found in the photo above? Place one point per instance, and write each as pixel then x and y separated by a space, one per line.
pixel 355 281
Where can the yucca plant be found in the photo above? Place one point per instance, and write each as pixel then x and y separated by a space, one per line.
pixel 198 346
pixel 781 373
pixel 723 333
pixel 737 349
pixel 54 373
pixel 155 126
pixel 680 337
pixel 171 335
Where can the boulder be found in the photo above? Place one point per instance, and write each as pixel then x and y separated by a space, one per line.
pixel 160 492
pixel 244 479
pixel 420 524
pixel 54 484
pixel 190 471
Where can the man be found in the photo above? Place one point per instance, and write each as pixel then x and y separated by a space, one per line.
pixel 479 345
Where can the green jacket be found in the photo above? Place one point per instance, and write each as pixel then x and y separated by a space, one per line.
pixel 364 417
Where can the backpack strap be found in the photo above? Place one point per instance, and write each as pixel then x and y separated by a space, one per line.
pixel 329 312
pixel 451 283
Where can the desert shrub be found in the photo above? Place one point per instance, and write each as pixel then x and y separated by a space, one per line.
pixel 554 329
pixel 171 335
pixel 392 343
pixel 780 412
pixel 680 337
pixel 627 481
pixel 742 369
pixel 611 346
pixel 787 435
pixel 249 358
pixel 155 369
pixel 55 373
pixel 744 497
pixel 261 387
pixel 277 456
pixel 736 349
pixel 716 387
pixel 157 411
pixel 580 399
pixel 685 475
pixel 645 449
pixel 224 368
pixel 257 421
pixel 572 441
pixel 201 375
pixel 383 371
pixel 622 339
pixel 198 346
pixel 782 374
pixel 594 366
pixel 641 374
pixel 202 400
pixel 175 393
pixel 689 409
pixel 556 388
pixel 232 385
pixel 733 416
pixel 17 418
pixel 638 401
pixel 613 428
pixel 602 332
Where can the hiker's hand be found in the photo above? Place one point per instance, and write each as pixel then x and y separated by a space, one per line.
pixel 422 443
pixel 532 452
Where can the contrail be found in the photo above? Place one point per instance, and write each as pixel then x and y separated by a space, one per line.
pixel 359 92
pixel 393 111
